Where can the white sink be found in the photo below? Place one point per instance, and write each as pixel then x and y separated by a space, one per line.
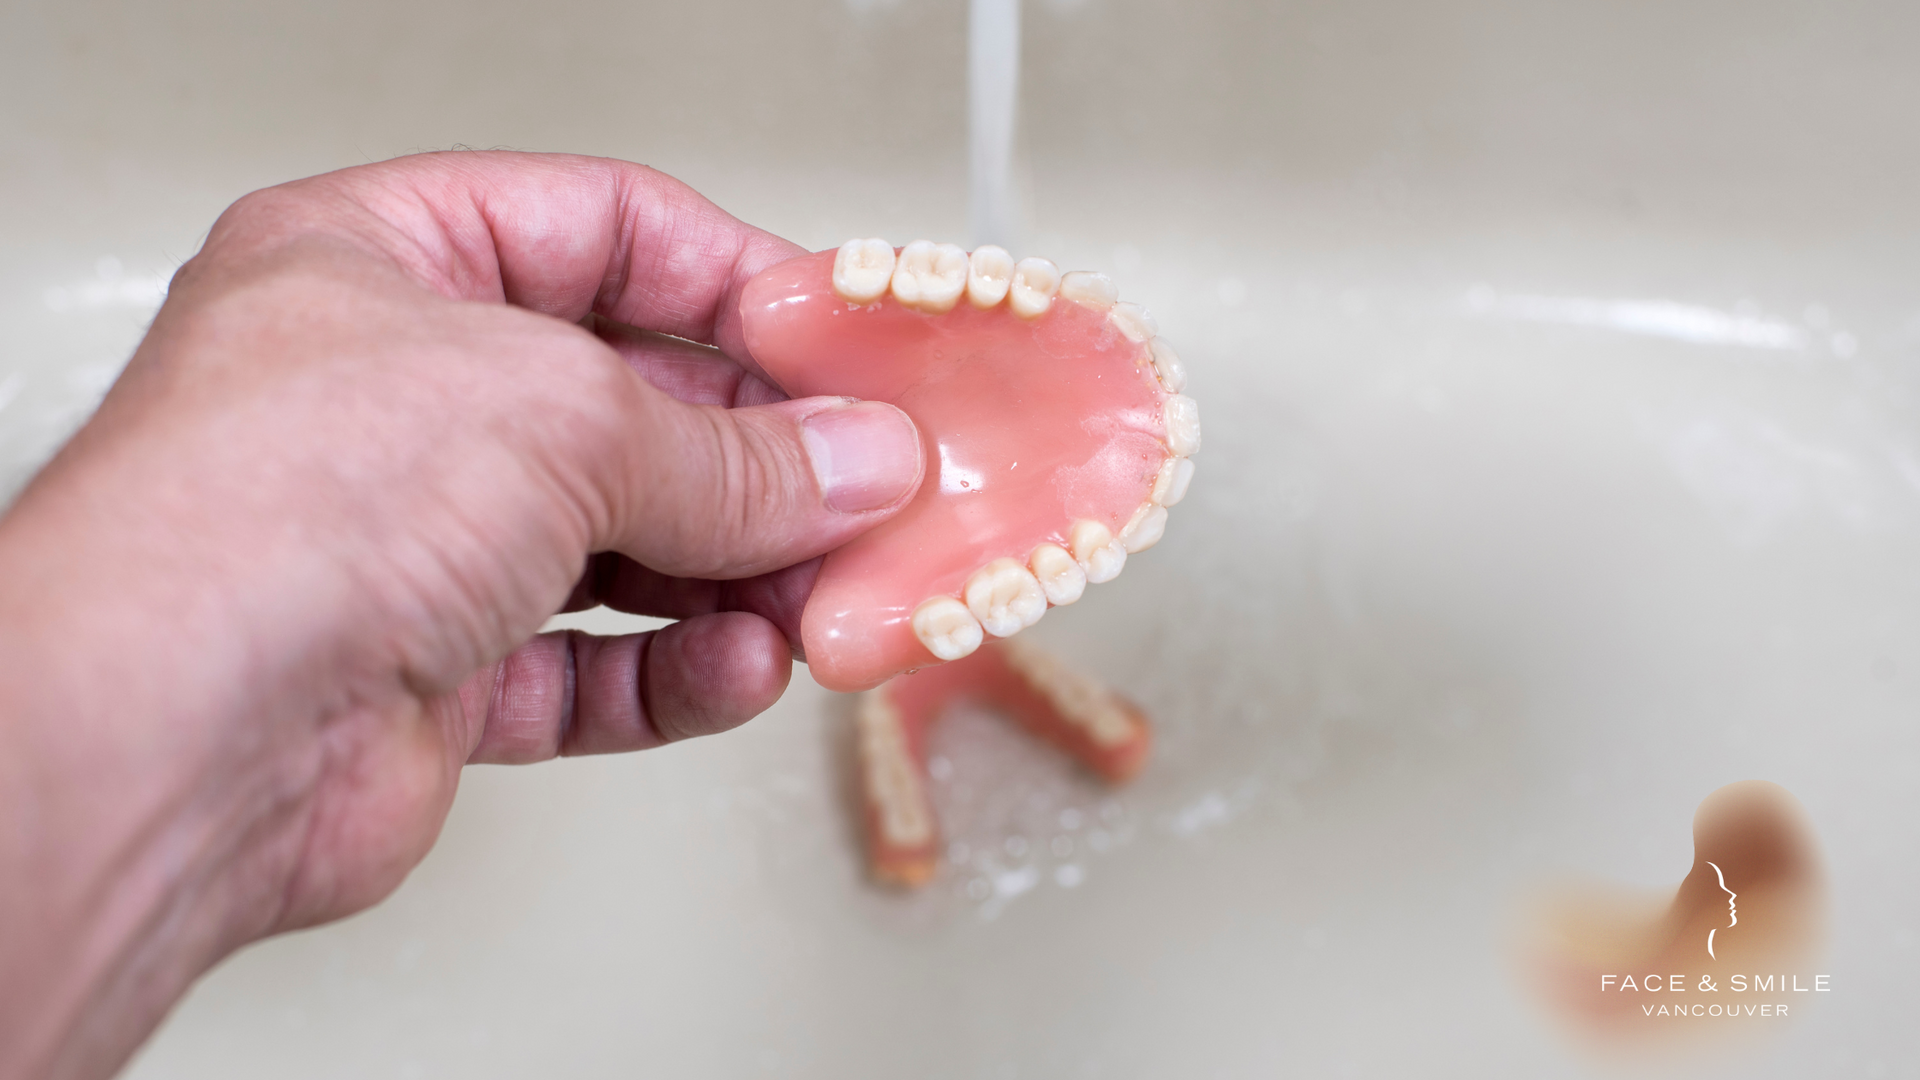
pixel 1562 465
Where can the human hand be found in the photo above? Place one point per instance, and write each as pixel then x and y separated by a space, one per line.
pixel 281 588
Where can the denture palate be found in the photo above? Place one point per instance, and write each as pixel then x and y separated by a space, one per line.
pixel 1101 730
pixel 1056 434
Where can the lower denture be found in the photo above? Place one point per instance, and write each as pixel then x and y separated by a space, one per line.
pixel 1095 726
pixel 1055 436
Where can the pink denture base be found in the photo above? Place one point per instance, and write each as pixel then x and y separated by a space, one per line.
pixel 1029 425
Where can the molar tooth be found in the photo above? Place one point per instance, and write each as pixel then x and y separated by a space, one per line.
pixel 1005 598
pixel 1183 425
pixel 1060 577
pixel 930 276
pixel 1136 322
pixel 1097 552
pixel 861 270
pixel 1171 485
pixel 1167 366
pixel 1034 283
pixel 1093 289
pixel 1145 528
pixel 946 627
pixel 989 272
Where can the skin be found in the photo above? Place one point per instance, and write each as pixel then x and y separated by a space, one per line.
pixel 266 605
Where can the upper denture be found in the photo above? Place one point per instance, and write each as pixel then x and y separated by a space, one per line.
pixel 1054 430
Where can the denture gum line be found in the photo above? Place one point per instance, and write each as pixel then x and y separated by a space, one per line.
pixel 1006 596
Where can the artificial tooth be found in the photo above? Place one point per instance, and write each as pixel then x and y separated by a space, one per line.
pixel 1086 537
pixel 862 269
pixel 891 779
pixel 1080 699
pixel 946 627
pixel 989 273
pixel 1005 598
pixel 1183 425
pixel 1096 290
pixel 1106 563
pixel 1136 322
pixel 1171 485
pixel 1147 526
pixel 930 276
pixel 1097 552
pixel 1167 366
pixel 1060 577
pixel 1034 283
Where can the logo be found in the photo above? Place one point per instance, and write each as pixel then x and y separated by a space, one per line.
pixel 1624 966
pixel 1733 913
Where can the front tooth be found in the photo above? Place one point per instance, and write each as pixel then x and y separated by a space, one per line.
pixel 1183 425
pixel 930 276
pixel 1005 598
pixel 946 627
pixel 1136 322
pixel 861 270
pixel 1167 367
pixel 989 272
pixel 1097 552
pixel 1034 283
pixel 1093 289
pixel 1060 577
pixel 1145 528
pixel 1171 485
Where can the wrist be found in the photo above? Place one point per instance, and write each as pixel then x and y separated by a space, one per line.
pixel 117 883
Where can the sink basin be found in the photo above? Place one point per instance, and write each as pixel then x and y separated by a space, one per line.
pixel 1562 466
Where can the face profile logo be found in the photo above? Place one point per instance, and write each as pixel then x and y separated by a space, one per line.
pixel 1621 966
pixel 1733 913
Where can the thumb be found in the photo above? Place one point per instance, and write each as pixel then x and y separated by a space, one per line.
pixel 713 492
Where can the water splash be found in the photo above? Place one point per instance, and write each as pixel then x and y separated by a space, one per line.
pixel 110 287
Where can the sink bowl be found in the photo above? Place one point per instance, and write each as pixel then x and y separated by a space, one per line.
pixel 1562 466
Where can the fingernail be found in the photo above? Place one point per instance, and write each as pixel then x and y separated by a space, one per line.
pixel 866 455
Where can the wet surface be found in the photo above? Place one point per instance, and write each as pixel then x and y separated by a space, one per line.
pixel 1562 468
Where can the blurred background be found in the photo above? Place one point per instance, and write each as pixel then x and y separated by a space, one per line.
pixel 1558 362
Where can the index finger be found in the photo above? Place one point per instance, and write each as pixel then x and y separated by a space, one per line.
pixel 565 235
